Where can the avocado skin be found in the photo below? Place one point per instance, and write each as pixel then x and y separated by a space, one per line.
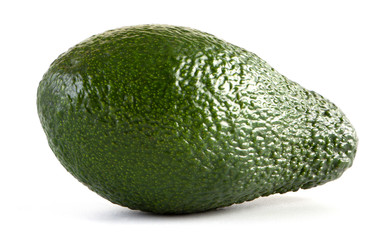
pixel 173 120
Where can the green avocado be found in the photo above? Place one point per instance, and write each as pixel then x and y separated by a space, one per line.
pixel 173 120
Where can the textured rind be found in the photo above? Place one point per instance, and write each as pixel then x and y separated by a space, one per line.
pixel 173 120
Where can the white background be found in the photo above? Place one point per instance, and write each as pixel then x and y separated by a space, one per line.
pixel 337 48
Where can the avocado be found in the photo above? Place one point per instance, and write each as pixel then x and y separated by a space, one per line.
pixel 172 120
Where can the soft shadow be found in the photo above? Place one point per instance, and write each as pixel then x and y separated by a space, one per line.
pixel 264 208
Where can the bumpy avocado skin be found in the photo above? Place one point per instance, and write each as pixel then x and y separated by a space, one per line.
pixel 173 120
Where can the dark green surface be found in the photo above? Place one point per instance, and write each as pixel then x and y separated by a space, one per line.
pixel 173 120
